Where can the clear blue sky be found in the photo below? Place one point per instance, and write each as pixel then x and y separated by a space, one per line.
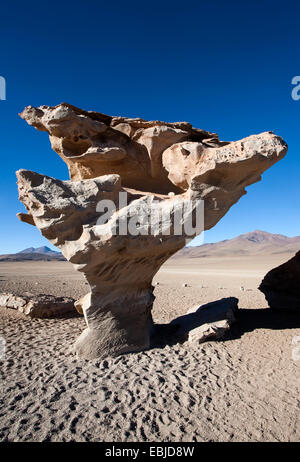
pixel 224 66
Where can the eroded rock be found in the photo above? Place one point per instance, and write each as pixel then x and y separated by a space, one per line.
pixel 38 306
pixel 82 302
pixel 158 165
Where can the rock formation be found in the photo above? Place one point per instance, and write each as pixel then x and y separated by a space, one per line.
pixel 162 168
pixel 210 321
pixel 38 306
pixel 281 286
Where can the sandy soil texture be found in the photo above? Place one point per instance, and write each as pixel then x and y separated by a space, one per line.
pixel 245 387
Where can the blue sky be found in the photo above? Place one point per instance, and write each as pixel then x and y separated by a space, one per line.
pixel 223 66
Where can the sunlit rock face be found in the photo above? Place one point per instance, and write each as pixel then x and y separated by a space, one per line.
pixel 157 165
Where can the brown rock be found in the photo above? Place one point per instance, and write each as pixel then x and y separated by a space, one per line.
pixel 37 306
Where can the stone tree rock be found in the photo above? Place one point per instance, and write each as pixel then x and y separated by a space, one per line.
pixel 281 286
pixel 162 169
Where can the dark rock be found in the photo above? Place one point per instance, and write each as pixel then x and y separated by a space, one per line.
pixel 281 286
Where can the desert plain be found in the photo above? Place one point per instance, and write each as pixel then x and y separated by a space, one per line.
pixel 243 387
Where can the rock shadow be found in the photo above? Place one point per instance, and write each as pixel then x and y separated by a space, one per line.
pixel 247 320
pixel 177 331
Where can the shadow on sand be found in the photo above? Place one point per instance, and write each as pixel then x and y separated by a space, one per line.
pixel 70 315
pixel 247 320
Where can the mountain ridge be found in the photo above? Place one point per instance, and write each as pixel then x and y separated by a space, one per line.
pixel 253 243
pixel 43 250
pixel 43 253
pixel 256 242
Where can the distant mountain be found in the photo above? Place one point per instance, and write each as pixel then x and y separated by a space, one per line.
pixel 44 250
pixel 253 243
pixel 34 254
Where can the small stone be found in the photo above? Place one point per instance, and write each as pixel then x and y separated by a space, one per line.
pixel 210 321
pixel 207 331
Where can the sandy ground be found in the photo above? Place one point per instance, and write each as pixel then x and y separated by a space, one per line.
pixel 245 387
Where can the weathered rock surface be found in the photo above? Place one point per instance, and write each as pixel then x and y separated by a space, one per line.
pixel 206 322
pixel 281 286
pixel 94 144
pixel 82 302
pixel 38 306
pixel 160 166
